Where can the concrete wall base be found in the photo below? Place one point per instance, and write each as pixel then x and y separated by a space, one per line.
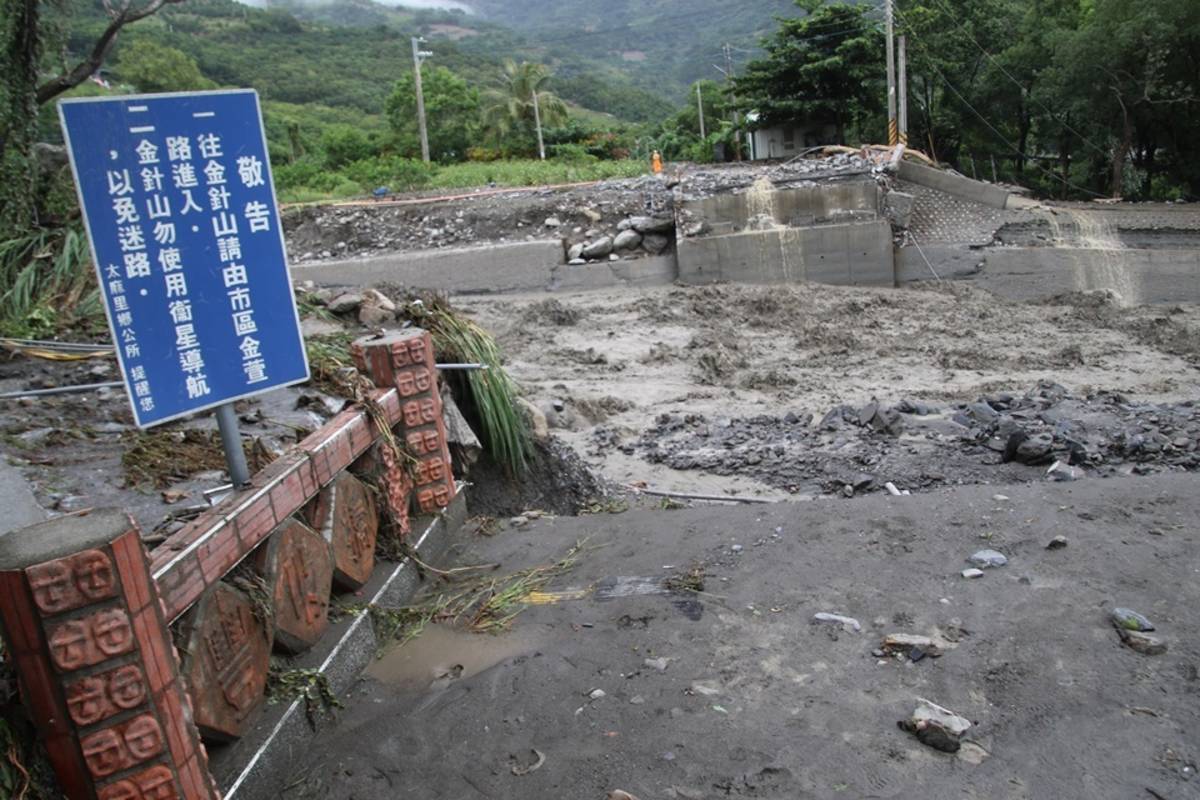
pixel 653 271
pixel 518 267
pixel 257 766
pixel 1035 273
pixel 987 194
pixel 857 254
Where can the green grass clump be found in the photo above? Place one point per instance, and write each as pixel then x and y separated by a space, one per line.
pixel 47 284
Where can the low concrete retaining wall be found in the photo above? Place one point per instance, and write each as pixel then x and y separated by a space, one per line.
pixel 522 266
pixel 858 254
pixel 653 271
pixel 976 191
pixel 1034 273
pixel 794 207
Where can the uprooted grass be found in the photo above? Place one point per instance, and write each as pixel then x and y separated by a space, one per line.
pixel 330 363
pixel 492 393
pixel 310 685
pixel 163 458
pixel 483 604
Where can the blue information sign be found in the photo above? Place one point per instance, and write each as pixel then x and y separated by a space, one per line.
pixel 180 210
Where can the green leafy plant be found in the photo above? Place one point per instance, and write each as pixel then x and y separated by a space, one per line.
pixel 47 284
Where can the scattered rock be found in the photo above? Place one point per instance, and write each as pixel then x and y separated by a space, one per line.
pixel 575 262
pixel 987 559
pixel 904 643
pixel 1145 643
pixel 627 240
pixel 705 688
pixel 658 664
pixel 596 694
pixel 936 726
pixel 1057 543
pixel 637 700
pixel 1130 620
pixel 374 316
pixel 599 248
pixel 372 297
pixel 848 623
pixel 972 573
pixel 553 222
pixel 345 303
pixel 1061 472
pixel 592 214
pixel 575 252
pixel 620 794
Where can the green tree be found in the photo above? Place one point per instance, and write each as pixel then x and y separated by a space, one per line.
pixel 508 109
pixel 824 67
pixel 344 144
pixel 153 67
pixel 451 113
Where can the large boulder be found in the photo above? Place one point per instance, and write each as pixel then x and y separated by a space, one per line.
pixel 599 248
pixel 653 224
pixel 655 244
pixel 627 240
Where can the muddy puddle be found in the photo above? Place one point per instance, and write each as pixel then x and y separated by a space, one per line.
pixel 442 655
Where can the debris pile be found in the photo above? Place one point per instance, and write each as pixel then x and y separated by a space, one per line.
pixel 916 445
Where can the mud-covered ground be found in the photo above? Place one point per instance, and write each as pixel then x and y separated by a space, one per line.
pixel 618 684
pixel 778 391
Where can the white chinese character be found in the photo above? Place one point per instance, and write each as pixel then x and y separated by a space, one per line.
pixel 119 183
pixel 147 152
pixel 141 388
pixel 184 176
pixel 138 373
pixel 130 238
pixel 218 198
pixel 244 324
pixel 132 350
pixel 180 311
pixel 164 232
pixel 191 361
pixel 128 336
pixel 185 336
pixel 137 265
pixel 214 172
pixel 224 224
pixel 234 275
pixel 112 272
pixel 152 178
pixel 170 259
pixel 176 285
pixel 124 319
pixel 239 299
pixel 146 404
pixel 189 204
pixel 256 371
pixel 250 170
pixel 158 206
pixel 197 386
pixel 179 148
pixel 120 303
pixel 259 216
pixel 125 210
pixel 116 287
pixel 250 348
pixel 230 248
pixel 210 145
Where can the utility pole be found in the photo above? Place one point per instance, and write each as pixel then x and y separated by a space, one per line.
pixel 737 117
pixel 700 104
pixel 418 55
pixel 903 69
pixel 893 127
pixel 537 120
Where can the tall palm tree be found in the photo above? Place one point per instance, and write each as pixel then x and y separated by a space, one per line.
pixel 521 103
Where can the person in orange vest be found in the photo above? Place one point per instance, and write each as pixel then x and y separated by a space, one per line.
pixel 656 163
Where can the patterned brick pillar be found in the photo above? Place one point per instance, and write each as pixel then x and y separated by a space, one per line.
pixel 404 359
pixel 98 672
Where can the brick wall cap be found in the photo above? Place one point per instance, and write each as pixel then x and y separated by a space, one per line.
pixel 60 537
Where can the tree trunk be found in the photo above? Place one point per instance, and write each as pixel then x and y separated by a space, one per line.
pixel 1122 152
pixel 19 51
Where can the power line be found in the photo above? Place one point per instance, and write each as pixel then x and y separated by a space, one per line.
pixel 996 131
pixel 962 27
